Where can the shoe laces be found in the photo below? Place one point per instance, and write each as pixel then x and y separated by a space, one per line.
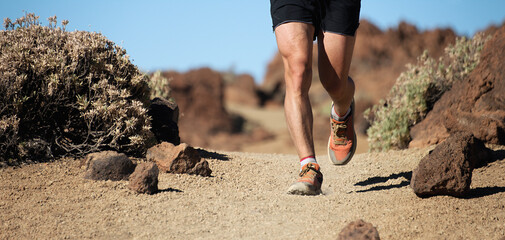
pixel 339 131
pixel 307 169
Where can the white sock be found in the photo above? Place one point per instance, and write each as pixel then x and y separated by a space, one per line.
pixel 335 116
pixel 305 160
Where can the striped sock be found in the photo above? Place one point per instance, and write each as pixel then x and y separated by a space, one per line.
pixel 309 159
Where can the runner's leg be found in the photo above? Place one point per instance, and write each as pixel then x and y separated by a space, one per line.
pixel 334 56
pixel 294 40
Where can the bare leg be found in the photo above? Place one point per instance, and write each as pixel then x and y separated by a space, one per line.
pixel 294 41
pixel 335 55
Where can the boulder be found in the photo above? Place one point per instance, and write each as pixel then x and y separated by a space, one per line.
pixel 359 230
pixel 242 90
pixel 107 165
pixel 447 170
pixel 178 159
pixel 165 116
pixel 199 95
pixel 476 104
pixel 144 179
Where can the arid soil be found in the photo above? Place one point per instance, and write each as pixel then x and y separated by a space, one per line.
pixel 245 199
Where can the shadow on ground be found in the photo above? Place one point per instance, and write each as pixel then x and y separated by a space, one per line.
pixel 212 155
pixel 496 155
pixel 169 190
pixel 483 192
pixel 377 180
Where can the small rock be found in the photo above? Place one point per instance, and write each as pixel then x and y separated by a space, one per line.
pixel 201 168
pixel 447 170
pixel 108 165
pixel 359 230
pixel 178 159
pixel 145 178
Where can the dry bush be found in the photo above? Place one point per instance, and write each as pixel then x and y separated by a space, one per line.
pixel 160 87
pixel 416 90
pixel 76 91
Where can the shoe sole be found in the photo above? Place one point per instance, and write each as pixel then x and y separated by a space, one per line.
pixel 302 188
pixel 348 158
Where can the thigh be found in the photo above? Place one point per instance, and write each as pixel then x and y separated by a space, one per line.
pixel 295 39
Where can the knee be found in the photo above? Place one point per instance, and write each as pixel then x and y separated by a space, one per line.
pixel 298 75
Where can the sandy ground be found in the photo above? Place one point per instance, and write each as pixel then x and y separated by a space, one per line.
pixel 245 199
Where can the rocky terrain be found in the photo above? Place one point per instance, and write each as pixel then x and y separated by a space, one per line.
pixel 245 199
pixel 454 190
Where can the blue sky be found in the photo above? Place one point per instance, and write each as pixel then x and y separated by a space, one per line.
pixel 231 34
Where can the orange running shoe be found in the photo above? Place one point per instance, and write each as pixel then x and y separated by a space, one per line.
pixel 309 182
pixel 342 142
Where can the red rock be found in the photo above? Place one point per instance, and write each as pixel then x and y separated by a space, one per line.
pixel 242 91
pixel 178 159
pixel 107 165
pixel 199 95
pixel 359 230
pixel 204 121
pixel 447 170
pixel 144 179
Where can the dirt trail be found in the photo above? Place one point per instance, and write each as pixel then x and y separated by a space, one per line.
pixel 245 199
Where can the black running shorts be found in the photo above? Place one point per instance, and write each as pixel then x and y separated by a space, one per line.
pixel 336 16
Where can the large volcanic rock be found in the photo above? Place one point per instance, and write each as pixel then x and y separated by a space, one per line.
pixel 379 58
pixel 447 170
pixel 242 90
pixel 199 95
pixel 477 104
pixel 203 119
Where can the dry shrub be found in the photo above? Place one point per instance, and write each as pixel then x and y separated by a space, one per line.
pixel 76 91
pixel 416 90
pixel 160 87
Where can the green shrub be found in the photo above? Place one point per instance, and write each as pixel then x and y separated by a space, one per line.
pixel 416 90
pixel 76 91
